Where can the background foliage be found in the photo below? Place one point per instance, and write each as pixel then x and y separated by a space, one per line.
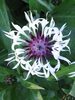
pixel 12 85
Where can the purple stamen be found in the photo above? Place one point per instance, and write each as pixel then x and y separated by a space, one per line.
pixel 39 47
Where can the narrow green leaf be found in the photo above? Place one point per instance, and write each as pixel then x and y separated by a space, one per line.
pixel 40 5
pixel 66 91
pixel 36 5
pixel 35 95
pixel 2 95
pixel 3 55
pixel 48 6
pixel 65 70
pixel 7 94
pixel 30 85
pixel 4 20
pixel 72 92
pixel 4 23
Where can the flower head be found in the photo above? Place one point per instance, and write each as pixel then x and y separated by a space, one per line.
pixel 36 44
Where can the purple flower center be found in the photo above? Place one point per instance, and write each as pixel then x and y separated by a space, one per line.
pixel 39 47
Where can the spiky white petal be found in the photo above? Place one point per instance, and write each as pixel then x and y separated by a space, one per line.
pixel 52 23
pixel 65 59
pixel 62 28
pixel 72 74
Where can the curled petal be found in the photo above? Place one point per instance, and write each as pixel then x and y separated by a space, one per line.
pixel 72 74
pixel 16 65
pixel 57 67
pixel 62 28
pixel 17 27
pixel 27 17
pixel 65 59
pixel 52 23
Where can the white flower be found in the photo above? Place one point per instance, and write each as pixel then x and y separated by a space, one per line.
pixel 35 44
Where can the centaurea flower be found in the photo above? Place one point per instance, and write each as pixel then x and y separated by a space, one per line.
pixel 35 44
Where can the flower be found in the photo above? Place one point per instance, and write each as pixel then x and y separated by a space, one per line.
pixel 35 45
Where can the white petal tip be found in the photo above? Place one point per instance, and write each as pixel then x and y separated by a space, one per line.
pixel 72 62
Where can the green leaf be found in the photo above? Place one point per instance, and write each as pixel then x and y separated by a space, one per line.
pixel 48 84
pixel 4 20
pixel 66 91
pixel 68 15
pixel 7 94
pixel 35 95
pixel 65 13
pixel 65 70
pixel 3 55
pixel 72 92
pixel 2 95
pixel 30 85
pixel 4 23
pixel 17 92
pixel 40 5
pixel 36 5
pixel 47 5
